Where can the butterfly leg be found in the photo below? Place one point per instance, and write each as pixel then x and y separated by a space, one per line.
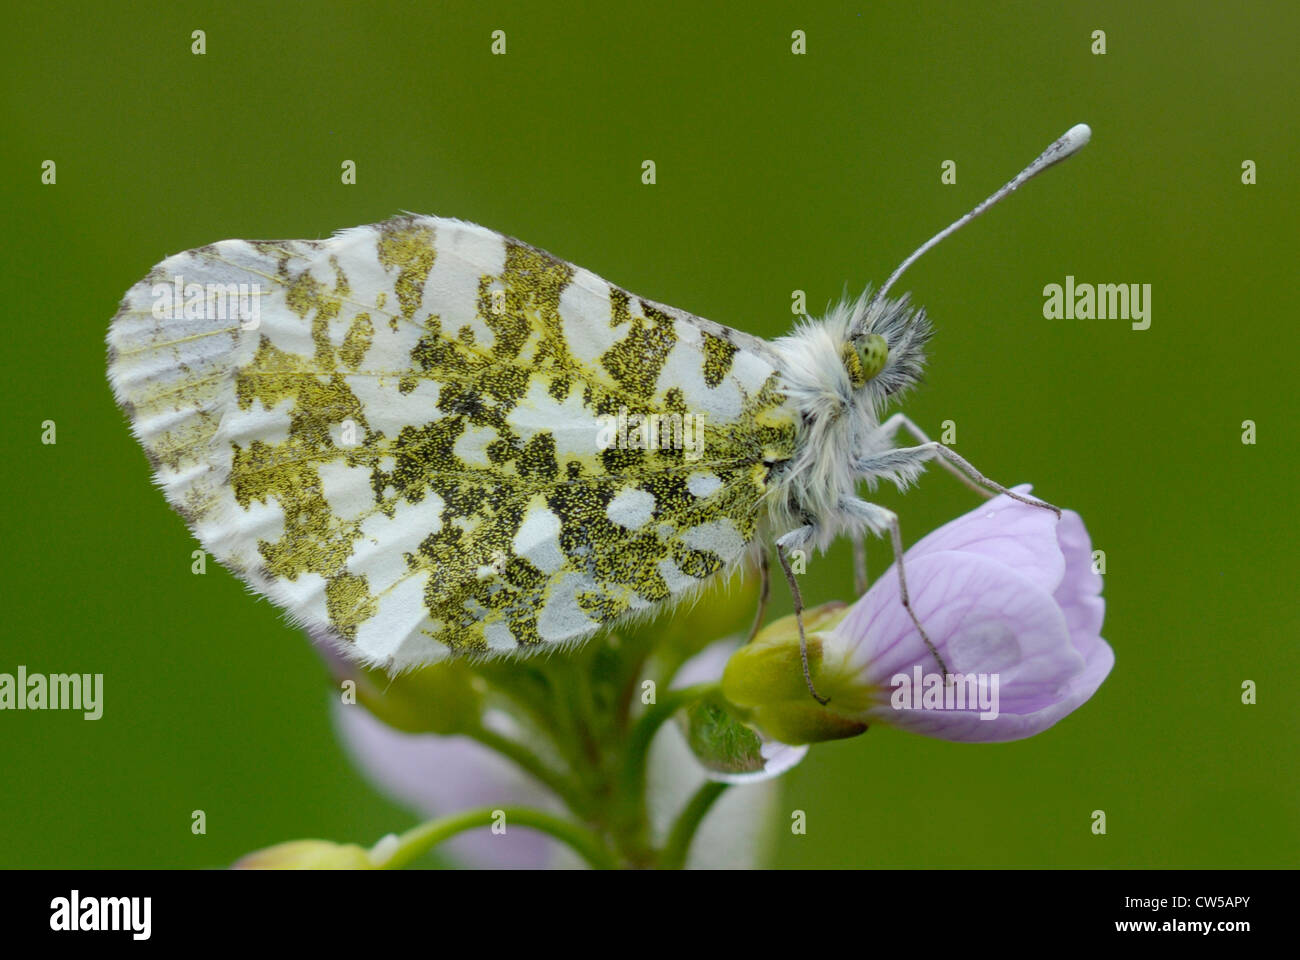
pixel 796 539
pixel 876 517
pixel 764 592
pixel 860 565
pixel 891 426
pixel 905 457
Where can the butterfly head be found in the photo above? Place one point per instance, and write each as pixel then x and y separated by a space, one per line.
pixel 884 351
pixel 865 359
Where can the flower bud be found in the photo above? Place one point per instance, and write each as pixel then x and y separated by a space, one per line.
pixel 1012 609
pixel 307 855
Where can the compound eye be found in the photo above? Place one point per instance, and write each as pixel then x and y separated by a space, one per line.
pixel 873 354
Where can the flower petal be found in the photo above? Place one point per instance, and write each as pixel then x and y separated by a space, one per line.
pixel 1079 593
pixel 956 596
pixel 1003 529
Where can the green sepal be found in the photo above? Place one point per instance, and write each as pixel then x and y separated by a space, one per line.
pixel 765 678
pixel 720 740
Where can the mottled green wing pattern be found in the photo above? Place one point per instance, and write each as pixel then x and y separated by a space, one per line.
pixel 423 437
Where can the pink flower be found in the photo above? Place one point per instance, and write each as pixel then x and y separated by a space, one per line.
pixel 1008 596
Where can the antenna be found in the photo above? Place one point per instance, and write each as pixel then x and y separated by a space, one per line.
pixel 1069 143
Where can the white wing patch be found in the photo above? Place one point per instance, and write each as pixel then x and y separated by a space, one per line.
pixel 631 508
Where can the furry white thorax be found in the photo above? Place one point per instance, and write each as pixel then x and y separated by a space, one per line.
pixel 837 424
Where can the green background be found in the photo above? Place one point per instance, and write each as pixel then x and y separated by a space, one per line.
pixel 775 172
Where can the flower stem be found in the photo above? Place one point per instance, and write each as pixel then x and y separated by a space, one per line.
pixel 645 728
pixel 419 840
pixel 562 786
pixel 688 822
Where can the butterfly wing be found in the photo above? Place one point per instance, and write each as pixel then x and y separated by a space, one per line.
pixel 421 437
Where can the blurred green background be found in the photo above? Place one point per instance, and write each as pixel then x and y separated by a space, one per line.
pixel 776 172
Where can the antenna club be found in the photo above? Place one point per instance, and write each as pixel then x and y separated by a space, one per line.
pixel 1077 137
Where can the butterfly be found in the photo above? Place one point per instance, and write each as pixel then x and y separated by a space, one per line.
pixel 422 438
